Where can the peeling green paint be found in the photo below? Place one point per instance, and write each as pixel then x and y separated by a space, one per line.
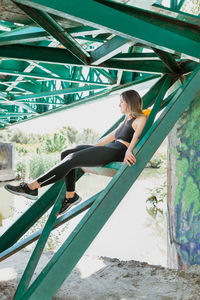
pixel 191 195
pixel 179 190
pixel 185 148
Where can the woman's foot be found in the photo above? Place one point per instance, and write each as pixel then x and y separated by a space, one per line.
pixel 22 190
pixel 68 203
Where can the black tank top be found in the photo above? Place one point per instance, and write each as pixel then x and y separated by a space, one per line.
pixel 125 131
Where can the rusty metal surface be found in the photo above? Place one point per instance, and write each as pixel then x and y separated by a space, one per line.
pixel 10 12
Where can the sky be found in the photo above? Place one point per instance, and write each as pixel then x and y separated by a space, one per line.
pixel 98 115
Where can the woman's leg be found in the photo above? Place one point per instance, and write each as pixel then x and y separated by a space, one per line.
pixel 90 157
pixel 70 178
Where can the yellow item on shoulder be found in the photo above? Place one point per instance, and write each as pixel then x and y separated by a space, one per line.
pixel 146 112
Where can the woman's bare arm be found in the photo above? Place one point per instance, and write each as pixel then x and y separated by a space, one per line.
pixel 106 139
pixel 129 157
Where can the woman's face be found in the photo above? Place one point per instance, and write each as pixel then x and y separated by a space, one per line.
pixel 123 106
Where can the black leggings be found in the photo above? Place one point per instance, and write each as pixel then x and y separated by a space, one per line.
pixel 82 156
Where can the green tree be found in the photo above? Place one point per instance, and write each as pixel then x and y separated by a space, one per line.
pixel 69 132
pixel 54 143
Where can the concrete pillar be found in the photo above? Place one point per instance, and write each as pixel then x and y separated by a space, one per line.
pixel 184 189
pixel 6 161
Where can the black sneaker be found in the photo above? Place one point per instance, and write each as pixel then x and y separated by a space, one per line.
pixel 68 203
pixel 22 190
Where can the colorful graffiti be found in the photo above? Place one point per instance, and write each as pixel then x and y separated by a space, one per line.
pixel 186 198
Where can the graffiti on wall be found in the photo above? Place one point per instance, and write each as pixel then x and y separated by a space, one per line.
pixel 187 196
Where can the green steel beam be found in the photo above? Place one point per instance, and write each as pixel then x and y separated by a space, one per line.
pixel 157 14
pixel 39 208
pixel 23 34
pixel 60 266
pixel 25 38
pixel 39 53
pixel 37 252
pixel 141 82
pixel 84 31
pixel 21 31
pixel 182 15
pixel 22 105
pixel 40 36
pixel 168 60
pixel 136 56
pixel 7 24
pixel 188 66
pixel 54 29
pixel 57 92
pixel 59 221
pixel 108 50
pixel 129 22
pixel 14 114
pixel 173 4
pixel 61 56
pixel 167 83
pixel 145 66
pixel 33 213
pixel 150 96
pixel 46 76
pixel 180 4
pixel 107 74
pixel 44 88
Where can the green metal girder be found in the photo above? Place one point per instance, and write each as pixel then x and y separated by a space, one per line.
pixel 59 221
pixel 6 39
pixel 57 92
pixel 182 15
pixel 22 105
pixel 38 209
pixel 147 27
pixel 180 4
pixel 7 24
pixel 37 252
pixel 168 60
pixel 167 82
pixel 108 50
pixel 24 34
pixel 44 88
pixel 14 114
pixel 38 53
pixel 60 266
pixel 173 4
pixel 32 214
pixel 52 27
pixel 136 56
pixel 98 95
pixel 151 95
pixel 145 66
pixel 61 56
pixel 47 76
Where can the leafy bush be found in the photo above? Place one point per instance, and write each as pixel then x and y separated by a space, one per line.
pixel 20 169
pixel 40 164
pixel 154 204
pixel 70 133
pixel 20 137
pixel 21 150
pixel 55 143
pixel 87 136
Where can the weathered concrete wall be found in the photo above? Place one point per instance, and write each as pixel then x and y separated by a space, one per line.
pixel 6 161
pixel 184 189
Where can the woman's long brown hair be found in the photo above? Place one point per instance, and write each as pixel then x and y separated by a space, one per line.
pixel 134 103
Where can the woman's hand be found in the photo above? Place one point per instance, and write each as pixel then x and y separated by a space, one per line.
pixel 129 158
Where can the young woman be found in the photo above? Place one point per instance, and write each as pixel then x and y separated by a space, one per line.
pixel 116 146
